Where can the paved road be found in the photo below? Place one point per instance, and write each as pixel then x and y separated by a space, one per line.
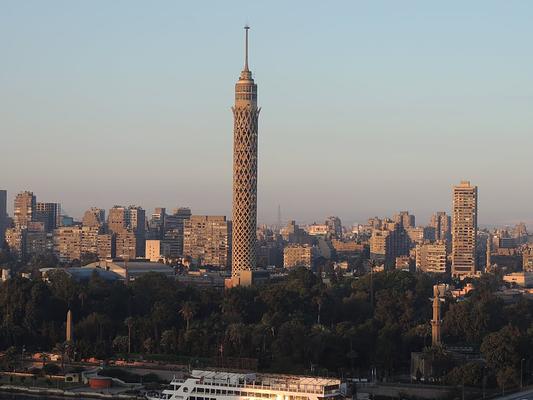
pixel 525 395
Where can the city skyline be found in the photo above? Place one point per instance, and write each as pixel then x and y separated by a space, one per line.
pixel 368 235
pixel 324 151
pixel 347 222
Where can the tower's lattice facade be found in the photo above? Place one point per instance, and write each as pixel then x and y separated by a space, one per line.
pixel 245 116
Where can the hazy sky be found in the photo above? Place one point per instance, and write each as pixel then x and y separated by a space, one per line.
pixel 368 107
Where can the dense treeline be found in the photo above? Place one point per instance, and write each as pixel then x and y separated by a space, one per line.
pixel 299 324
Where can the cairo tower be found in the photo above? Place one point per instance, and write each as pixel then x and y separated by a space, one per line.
pixel 245 116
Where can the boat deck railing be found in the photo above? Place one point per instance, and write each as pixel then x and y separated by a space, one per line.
pixel 293 388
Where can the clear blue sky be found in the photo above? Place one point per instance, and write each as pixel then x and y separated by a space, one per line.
pixel 368 107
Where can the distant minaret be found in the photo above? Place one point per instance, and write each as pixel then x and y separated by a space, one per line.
pixel 245 116
pixel 68 334
pixel 436 321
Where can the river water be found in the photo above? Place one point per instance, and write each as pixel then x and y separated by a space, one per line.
pixel 19 396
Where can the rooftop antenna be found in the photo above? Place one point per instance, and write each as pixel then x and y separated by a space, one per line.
pixel 246 29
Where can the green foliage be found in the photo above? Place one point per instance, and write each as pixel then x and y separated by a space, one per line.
pixel 502 348
pixel 470 374
pixel 120 344
pixel 507 377
pixel 295 325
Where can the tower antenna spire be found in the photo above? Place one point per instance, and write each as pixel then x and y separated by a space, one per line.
pixel 246 29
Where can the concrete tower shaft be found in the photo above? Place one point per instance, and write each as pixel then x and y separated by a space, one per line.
pixel 245 129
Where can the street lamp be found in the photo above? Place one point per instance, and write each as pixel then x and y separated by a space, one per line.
pixel 522 373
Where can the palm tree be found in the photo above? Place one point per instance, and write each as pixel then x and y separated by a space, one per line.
pixel 82 297
pixel 187 312
pixel 319 301
pixel 61 348
pixel 129 323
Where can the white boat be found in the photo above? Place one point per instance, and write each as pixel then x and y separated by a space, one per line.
pixel 211 385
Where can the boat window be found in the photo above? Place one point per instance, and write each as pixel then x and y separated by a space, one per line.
pixel 200 390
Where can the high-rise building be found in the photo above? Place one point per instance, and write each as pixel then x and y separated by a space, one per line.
pixel 172 243
pixel 117 220
pixel 15 239
pixel 431 257
pixel 25 207
pixel 206 240
pixel 136 217
pixel 126 245
pixel 405 219
pixel 49 214
pixel 129 226
pixel 182 213
pixel 106 246
pixel 245 129
pixel 94 217
pixel 299 255
pixel 293 234
pixel 334 226
pixel 67 243
pixel 527 259
pixel 442 224
pixel 89 239
pixel 158 218
pixel 36 239
pixel 3 216
pixel 389 242
pixel 464 229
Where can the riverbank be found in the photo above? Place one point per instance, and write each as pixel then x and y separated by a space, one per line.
pixel 50 392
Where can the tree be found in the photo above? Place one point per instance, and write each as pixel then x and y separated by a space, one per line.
pixel 9 358
pixel 470 374
pixel 169 340
pixel 502 349
pixel 507 377
pixel 148 345
pixel 61 349
pixel 187 312
pixel 120 344
pixel 129 322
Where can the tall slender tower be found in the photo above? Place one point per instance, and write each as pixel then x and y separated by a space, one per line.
pixel 436 322
pixel 245 117
pixel 69 330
